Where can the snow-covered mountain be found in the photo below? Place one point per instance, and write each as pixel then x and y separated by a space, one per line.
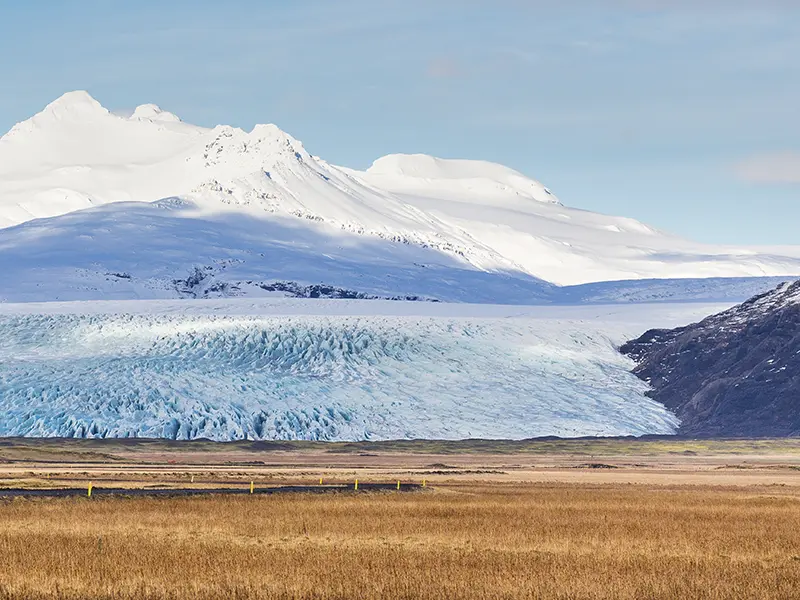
pixel 97 205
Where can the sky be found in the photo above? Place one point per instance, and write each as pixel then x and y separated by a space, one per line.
pixel 681 114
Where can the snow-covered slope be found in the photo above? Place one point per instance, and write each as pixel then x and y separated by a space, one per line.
pixel 256 206
pixel 338 370
pixel 173 249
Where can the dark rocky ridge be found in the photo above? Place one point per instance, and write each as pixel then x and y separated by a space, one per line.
pixel 736 373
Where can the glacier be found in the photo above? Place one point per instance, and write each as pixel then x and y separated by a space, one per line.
pixel 323 370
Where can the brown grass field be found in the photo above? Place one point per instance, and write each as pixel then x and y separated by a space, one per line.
pixel 718 523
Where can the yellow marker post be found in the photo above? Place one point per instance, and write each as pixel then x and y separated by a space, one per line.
pixel 252 487
pixel 356 486
pixel 423 483
pixel 320 480
pixel 89 491
pixel 398 484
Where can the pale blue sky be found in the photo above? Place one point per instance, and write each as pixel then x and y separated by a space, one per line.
pixel 686 118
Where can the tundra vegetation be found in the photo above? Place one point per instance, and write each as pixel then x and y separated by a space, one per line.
pixel 458 540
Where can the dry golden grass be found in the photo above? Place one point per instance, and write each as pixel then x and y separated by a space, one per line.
pixel 493 542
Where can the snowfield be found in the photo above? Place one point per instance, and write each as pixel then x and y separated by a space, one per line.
pixel 166 249
pixel 94 205
pixel 332 370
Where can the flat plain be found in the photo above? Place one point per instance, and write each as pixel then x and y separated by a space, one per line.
pixel 616 518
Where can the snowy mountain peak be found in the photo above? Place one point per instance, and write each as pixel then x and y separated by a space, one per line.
pixel 77 104
pixel 469 176
pixel 232 153
pixel 72 106
pixel 270 135
pixel 153 112
pixel 785 295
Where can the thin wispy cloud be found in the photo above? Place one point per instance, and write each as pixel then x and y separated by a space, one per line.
pixel 776 168
pixel 444 68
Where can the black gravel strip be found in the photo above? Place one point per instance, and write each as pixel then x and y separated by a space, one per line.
pixel 245 490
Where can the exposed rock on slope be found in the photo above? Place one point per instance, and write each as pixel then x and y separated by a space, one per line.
pixel 733 374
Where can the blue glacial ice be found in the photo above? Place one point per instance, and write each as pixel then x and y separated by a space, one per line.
pixel 315 377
